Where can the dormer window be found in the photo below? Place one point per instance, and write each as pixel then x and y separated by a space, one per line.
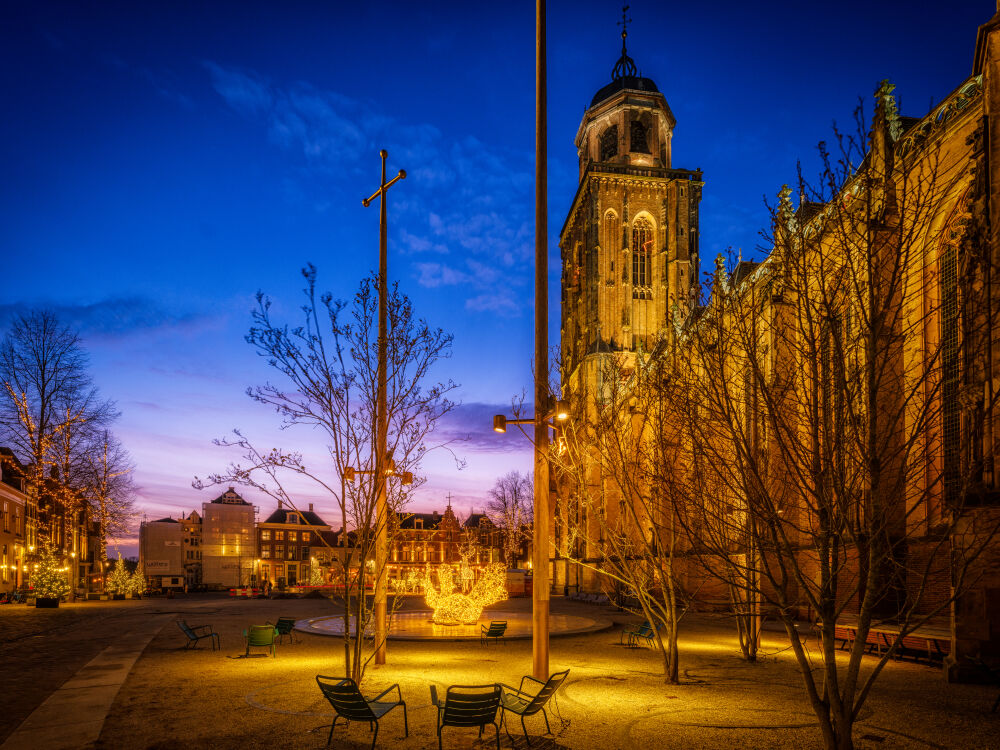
pixel 639 141
pixel 419 523
pixel 293 518
pixel 609 143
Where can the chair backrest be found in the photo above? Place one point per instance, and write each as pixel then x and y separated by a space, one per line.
pixel 497 627
pixel 285 625
pixel 346 698
pixel 646 631
pixel 550 687
pixel 260 635
pixel 182 624
pixel 470 705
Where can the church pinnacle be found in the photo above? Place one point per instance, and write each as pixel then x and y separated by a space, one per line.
pixel 625 67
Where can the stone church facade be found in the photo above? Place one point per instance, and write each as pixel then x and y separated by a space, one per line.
pixel 630 266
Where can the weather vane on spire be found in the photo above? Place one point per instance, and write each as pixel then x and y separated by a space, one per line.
pixel 625 65
pixel 624 24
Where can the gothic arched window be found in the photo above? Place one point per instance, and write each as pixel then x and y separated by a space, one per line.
pixel 640 143
pixel 642 253
pixel 609 143
pixel 612 241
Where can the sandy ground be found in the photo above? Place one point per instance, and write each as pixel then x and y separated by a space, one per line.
pixel 615 697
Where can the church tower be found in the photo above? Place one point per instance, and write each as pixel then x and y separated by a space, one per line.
pixel 629 246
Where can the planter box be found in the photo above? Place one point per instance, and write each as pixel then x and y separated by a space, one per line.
pixel 118 597
pixel 43 602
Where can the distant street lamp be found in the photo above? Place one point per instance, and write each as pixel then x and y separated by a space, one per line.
pixel 382 418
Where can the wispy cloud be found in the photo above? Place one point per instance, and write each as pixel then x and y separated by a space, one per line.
pixel 112 316
pixel 470 426
pixel 473 203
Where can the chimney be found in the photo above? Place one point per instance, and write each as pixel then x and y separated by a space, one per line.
pixel 280 505
pixel 310 507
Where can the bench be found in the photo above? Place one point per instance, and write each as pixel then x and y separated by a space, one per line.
pixel 928 641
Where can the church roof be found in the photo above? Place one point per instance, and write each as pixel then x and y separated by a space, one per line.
pixel 625 83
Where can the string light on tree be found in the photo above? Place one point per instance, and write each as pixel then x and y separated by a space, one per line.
pixel 49 578
pixel 118 581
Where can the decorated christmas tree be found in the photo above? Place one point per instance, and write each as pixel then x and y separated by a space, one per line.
pixel 316 577
pixel 118 581
pixel 136 583
pixel 49 580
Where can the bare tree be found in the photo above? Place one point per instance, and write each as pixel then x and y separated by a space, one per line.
pixel 510 508
pixel 617 517
pixel 49 410
pixel 826 473
pixel 329 367
pixel 110 489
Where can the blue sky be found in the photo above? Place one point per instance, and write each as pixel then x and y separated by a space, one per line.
pixel 163 161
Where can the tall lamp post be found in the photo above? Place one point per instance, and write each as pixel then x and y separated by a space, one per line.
pixel 382 420
pixel 540 550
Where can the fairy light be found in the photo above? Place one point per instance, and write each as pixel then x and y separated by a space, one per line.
pixel 452 607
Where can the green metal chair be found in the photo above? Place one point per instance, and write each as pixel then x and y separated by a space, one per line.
pixel 644 632
pixel 525 704
pixel 468 706
pixel 495 631
pixel 348 702
pixel 260 636
pixel 285 626
pixel 191 631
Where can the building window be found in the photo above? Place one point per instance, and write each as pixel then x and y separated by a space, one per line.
pixel 642 255
pixel 265 535
pixel 640 144
pixel 305 536
pixel 609 143
pixel 305 553
pixel 292 536
pixel 612 241
pixel 265 550
pixel 279 536
pixel 279 551
pixel 291 552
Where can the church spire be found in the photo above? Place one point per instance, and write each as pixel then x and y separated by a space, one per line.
pixel 625 67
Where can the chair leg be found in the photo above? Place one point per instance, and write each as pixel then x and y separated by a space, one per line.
pixel 503 720
pixel 526 737
pixel 498 735
pixel 547 729
pixel 332 726
pixel 440 747
pixel 375 736
pixel 406 726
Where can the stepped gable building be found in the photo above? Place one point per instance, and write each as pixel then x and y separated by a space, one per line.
pixel 629 246
pixel 229 546
pixel 191 525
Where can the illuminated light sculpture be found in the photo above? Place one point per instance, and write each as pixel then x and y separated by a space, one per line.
pixel 452 607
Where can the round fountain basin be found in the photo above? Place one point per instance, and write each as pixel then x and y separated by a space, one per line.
pixel 418 626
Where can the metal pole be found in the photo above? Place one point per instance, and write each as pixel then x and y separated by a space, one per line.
pixel 380 440
pixel 381 426
pixel 540 549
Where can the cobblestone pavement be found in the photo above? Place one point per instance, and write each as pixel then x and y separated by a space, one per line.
pixel 615 696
